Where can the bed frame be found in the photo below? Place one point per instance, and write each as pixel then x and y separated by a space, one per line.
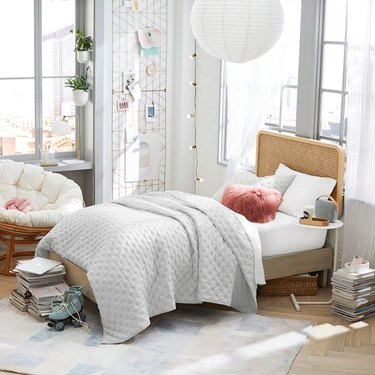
pixel 307 156
pixel 301 154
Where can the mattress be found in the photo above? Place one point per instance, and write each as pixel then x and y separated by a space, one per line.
pixel 284 236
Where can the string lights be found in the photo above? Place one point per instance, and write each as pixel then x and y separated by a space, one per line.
pixel 193 115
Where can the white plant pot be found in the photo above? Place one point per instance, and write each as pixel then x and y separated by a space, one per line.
pixel 83 56
pixel 80 97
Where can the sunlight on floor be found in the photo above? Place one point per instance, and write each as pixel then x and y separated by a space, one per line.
pixel 325 331
pixel 253 351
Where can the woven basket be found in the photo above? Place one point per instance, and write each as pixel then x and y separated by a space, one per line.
pixel 298 285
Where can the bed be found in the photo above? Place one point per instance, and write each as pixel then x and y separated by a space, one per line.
pixel 314 158
pixel 303 155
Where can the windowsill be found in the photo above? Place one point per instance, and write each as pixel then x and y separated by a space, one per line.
pixel 62 167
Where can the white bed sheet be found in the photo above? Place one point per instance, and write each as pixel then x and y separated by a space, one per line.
pixel 284 236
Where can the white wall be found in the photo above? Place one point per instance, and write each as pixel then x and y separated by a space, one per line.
pixel 180 159
pixel 180 130
pixel 208 113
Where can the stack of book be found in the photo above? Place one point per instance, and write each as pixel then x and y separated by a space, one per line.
pixel 42 298
pixel 38 282
pixel 353 294
pixel 20 300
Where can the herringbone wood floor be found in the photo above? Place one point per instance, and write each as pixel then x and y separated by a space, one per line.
pixel 341 349
pixel 345 350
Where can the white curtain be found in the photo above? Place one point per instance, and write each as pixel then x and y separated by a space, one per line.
pixel 252 88
pixel 359 233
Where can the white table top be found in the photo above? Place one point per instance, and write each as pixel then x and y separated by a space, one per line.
pixel 337 224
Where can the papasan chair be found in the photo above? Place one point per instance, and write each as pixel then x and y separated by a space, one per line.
pixel 36 201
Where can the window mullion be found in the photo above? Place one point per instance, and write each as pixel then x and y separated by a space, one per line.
pixel 309 66
pixel 38 85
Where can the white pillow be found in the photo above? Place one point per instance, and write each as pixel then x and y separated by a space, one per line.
pixel 303 191
pixel 280 183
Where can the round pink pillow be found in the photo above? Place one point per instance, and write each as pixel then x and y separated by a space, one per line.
pixel 19 204
pixel 258 205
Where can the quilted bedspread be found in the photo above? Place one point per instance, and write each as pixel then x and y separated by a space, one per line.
pixel 143 254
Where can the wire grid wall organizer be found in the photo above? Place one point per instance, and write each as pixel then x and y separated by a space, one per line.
pixel 127 58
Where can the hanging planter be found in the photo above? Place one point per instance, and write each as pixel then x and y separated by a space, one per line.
pixel 83 56
pixel 83 46
pixel 80 97
pixel 80 89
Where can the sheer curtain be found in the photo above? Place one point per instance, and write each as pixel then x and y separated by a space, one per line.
pixel 359 237
pixel 252 88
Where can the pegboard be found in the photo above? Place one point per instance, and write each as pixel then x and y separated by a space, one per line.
pixel 127 57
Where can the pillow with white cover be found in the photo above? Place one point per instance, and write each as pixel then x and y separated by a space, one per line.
pixel 280 183
pixel 303 191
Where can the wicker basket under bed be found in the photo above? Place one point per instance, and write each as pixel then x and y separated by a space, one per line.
pixel 298 285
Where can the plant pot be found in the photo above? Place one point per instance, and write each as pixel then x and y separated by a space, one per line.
pixel 80 97
pixel 83 56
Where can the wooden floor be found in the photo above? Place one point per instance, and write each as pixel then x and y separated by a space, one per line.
pixel 337 348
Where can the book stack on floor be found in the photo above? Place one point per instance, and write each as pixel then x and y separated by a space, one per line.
pixel 39 281
pixel 353 293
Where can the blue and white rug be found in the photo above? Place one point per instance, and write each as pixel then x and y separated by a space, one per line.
pixel 190 340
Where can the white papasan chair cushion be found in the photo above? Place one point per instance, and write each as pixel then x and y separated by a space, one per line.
pixel 52 195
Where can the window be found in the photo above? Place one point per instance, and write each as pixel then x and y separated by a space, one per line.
pixel 333 122
pixel 39 57
pixel 326 76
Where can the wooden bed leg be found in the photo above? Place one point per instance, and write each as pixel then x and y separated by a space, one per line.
pixel 323 278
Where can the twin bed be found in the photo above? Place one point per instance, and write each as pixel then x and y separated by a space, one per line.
pixel 183 248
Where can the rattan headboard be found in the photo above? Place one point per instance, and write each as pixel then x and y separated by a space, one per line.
pixel 303 155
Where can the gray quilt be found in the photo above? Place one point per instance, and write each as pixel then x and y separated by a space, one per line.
pixel 143 254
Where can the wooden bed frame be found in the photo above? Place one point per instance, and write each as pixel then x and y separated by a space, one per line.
pixel 301 154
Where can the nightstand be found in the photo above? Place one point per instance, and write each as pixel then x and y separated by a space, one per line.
pixel 335 226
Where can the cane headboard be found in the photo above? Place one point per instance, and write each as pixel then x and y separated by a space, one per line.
pixel 303 155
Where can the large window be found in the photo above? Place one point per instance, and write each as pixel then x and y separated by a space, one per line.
pixel 332 121
pixel 326 75
pixel 38 56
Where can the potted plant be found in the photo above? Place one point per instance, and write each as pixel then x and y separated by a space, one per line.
pixel 80 89
pixel 83 46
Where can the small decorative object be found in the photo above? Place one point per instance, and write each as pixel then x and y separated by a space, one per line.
pixel 19 204
pixel 80 89
pixel 237 30
pixel 83 46
pixel 123 104
pixel 151 69
pixel 135 90
pixel 61 128
pixel 326 206
pixel 150 40
pixel 314 221
pixel 308 212
pixel 150 112
pixel 135 5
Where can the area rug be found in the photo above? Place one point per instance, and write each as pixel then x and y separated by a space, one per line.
pixel 190 340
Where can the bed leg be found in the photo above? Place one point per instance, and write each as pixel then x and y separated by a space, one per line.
pixel 323 278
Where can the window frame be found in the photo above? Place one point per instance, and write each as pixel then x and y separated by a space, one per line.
pixel 38 86
pixel 343 92
pixel 309 107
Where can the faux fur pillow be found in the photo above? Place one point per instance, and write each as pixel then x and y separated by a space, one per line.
pixel 257 204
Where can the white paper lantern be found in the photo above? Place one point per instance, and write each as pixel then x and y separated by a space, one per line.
pixel 237 30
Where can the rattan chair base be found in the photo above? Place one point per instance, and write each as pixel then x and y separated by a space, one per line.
pixel 14 235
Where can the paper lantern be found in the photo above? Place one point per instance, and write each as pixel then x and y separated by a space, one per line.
pixel 237 30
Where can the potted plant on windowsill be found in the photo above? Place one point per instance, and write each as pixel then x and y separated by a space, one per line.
pixel 80 89
pixel 83 46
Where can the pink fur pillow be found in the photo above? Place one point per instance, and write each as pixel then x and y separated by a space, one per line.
pixel 257 204
pixel 20 204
